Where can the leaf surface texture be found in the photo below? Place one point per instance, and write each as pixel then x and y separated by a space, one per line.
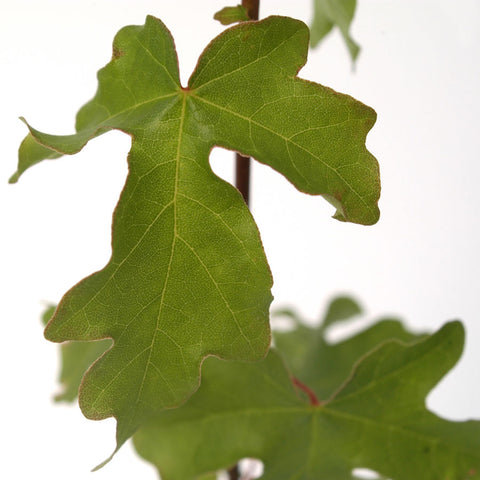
pixel 188 276
pixel 377 420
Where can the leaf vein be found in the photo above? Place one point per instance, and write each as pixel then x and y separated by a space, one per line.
pixel 286 139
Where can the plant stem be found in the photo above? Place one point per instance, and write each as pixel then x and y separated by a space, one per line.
pixel 242 164
pixel 242 176
pixel 314 401
pixel 234 473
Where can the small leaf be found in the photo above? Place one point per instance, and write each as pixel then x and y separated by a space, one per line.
pixel 376 421
pixel 341 308
pixel 229 15
pixel 323 366
pixel 330 13
pixel 188 276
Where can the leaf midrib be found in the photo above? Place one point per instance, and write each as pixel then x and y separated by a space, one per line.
pixel 167 275
pixel 337 397
pixel 220 416
pixel 150 347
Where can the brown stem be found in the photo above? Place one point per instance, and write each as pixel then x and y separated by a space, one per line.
pixel 234 473
pixel 242 176
pixel 242 164
pixel 252 7
pixel 311 395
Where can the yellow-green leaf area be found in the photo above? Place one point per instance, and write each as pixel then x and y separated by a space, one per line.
pixel 188 276
pixel 229 15
pixel 376 420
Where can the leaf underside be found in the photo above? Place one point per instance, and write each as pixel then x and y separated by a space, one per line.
pixel 188 276
pixel 376 420
pixel 330 13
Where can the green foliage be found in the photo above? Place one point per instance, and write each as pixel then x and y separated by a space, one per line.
pixel 229 15
pixel 377 419
pixel 188 277
pixel 340 309
pixel 323 366
pixel 330 13
pixel 367 392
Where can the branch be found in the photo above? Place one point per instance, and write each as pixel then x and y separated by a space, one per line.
pixel 242 164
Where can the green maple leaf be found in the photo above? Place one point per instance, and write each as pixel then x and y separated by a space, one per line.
pixel 323 366
pixel 188 276
pixel 330 13
pixel 376 420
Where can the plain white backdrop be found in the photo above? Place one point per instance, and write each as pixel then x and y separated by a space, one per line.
pixel 419 68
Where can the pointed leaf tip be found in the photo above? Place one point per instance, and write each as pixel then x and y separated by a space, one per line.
pixel 328 14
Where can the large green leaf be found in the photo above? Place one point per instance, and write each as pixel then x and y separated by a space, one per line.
pixel 376 420
pixel 188 277
pixel 323 365
pixel 330 13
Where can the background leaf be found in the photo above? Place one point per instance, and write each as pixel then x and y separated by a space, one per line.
pixel 322 365
pixel 377 420
pixel 330 13
pixel 341 308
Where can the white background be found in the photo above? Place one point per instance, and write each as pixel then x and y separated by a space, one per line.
pixel 419 68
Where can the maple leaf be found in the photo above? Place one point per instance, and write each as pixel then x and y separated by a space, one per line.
pixel 376 420
pixel 330 13
pixel 188 276
pixel 323 365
